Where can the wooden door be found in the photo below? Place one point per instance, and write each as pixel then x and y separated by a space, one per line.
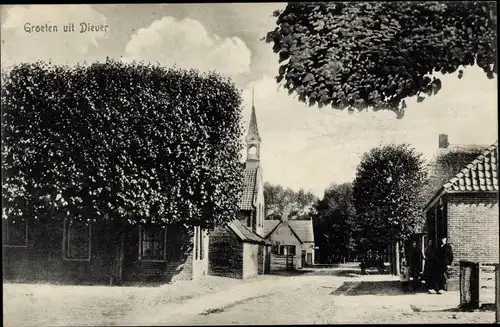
pixel 267 266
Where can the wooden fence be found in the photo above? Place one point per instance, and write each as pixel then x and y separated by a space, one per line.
pixel 477 284
pixel 283 262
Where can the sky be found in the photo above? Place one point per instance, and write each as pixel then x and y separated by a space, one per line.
pixel 302 147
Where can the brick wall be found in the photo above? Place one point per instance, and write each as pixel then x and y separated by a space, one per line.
pixel 179 264
pixel 42 260
pixel 473 227
pixel 225 254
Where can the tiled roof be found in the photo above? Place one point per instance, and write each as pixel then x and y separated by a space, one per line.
pixel 247 199
pixel 245 234
pixel 479 176
pixel 270 225
pixel 303 229
pixel 447 163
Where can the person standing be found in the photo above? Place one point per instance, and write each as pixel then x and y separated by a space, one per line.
pixel 444 258
pixel 429 266
pixel 405 275
pixel 415 261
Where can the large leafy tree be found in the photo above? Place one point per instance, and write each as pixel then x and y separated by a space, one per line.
pixel 128 143
pixel 359 54
pixel 387 194
pixel 334 223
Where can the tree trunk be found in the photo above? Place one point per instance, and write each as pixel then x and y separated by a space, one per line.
pixel 117 254
pixel 392 259
pixel 398 259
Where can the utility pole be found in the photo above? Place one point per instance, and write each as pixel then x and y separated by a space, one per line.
pixel 497 268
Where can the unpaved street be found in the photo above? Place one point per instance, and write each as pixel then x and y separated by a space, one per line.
pixel 321 296
pixel 319 300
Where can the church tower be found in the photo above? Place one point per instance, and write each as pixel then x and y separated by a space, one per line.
pixel 253 140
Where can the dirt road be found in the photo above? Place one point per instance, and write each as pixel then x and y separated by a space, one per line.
pixel 321 296
pixel 327 298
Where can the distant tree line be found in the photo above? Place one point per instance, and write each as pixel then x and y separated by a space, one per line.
pixel 285 201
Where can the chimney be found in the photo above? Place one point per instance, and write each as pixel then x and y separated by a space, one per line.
pixel 286 213
pixel 443 141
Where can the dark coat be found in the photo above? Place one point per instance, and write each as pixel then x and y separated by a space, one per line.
pixel 430 255
pixel 444 255
pixel 415 259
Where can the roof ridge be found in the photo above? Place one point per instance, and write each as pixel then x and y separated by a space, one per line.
pixel 295 233
pixel 236 226
pixel 251 231
pixel 274 228
pixel 471 165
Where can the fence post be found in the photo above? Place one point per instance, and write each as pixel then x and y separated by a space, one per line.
pixel 469 285
pixel 497 293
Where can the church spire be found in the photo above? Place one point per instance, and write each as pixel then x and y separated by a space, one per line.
pixel 253 96
pixel 253 139
pixel 253 130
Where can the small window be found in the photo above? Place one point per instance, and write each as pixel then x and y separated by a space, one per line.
pixel 15 233
pixel 287 250
pixel 153 240
pixel 76 240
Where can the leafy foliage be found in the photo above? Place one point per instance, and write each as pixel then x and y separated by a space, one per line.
pixel 280 201
pixel 359 54
pixel 387 194
pixel 334 223
pixel 126 142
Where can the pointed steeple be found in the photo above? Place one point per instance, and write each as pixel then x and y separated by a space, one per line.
pixel 253 130
pixel 253 139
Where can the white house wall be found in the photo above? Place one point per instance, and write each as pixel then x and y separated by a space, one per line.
pixel 200 266
pixel 309 247
pixel 284 236
pixel 250 260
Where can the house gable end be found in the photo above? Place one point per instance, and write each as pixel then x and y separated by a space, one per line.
pixel 295 234
pixel 481 175
pixel 273 229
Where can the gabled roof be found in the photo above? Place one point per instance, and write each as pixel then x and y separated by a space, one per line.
pixel 302 229
pixel 481 175
pixel 245 234
pixel 270 226
pixel 446 163
pixel 250 190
